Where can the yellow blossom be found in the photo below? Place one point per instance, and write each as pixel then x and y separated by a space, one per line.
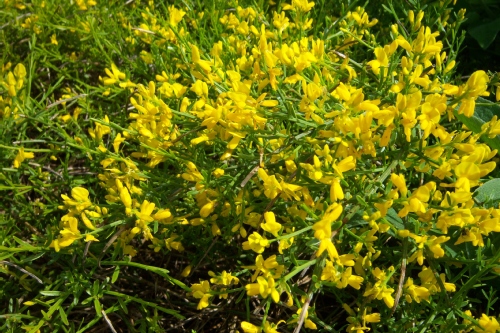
pixel 256 243
pixel 90 238
pixel 21 156
pixel 299 5
pixel 271 186
pixel 271 225
pixel 249 328
pixel 53 39
pixel 264 287
pixel 202 291
pixel 67 236
pixel 218 172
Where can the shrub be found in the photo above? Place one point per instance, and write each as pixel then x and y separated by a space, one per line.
pixel 256 167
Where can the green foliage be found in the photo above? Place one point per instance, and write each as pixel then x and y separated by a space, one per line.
pixel 483 22
pixel 489 193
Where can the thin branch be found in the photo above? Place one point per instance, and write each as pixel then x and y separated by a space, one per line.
pixel 302 316
pixel 145 31
pixel 401 278
pixel 105 316
pixel 250 175
pixel 65 100
pixel 108 244
pixel 204 255
pixel 46 168
pixel 3 262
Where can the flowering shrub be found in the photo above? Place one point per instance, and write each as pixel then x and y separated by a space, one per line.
pixel 274 166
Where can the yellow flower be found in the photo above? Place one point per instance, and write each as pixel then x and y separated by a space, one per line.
pixel 488 324
pixel 430 282
pixel 21 156
pixel 381 61
pixel 100 130
pixel 87 221
pixel 90 238
pixel 414 292
pixel 476 86
pixel 126 199
pixel 264 287
pixel 372 317
pixel 207 209
pixel 346 164
pixel 271 185
pixel 80 199
pixel 323 231
pixel 434 244
pixel 173 243
pixel 348 278
pixel 186 271
pixel 326 244
pixel 280 21
pixel 218 172
pixel 114 75
pixel 193 175
pixel 289 191
pixel 225 279
pixel 265 266
pixel 256 243
pixel 272 328
pixel 67 236
pixel 204 65
pixel 336 192
pixel 202 291
pixel 400 182
pixel 271 225
pixel 249 328
pixel 53 39
pixel 85 4
pixel 175 15
pixel 299 5
pixel 144 217
pixel 323 228
pixel 314 170
pixel 117 141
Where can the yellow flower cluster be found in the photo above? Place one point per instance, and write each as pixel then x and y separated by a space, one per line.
pixel 80 209
pixel 278 143
pixel 13 82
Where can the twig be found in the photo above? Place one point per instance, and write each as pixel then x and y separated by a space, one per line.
pixel 65 100
pixel 35 230
pixel 46 168
pixel 87 246
pixel 302 316
pixel 204 255
pixel 249 176
pixel 108 244
pixel 3 262
pixel 401 279
pixel 105 316
pixel 145 31
pixel 179 190
pixel 255 169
